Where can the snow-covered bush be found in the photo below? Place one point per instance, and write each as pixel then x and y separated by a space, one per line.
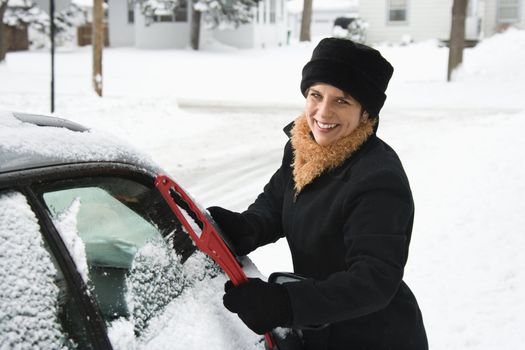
pixel 355 30
pixel 220 14
pixel 225 14
pixel 39 22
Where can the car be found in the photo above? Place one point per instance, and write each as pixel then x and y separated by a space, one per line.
pixel 92 255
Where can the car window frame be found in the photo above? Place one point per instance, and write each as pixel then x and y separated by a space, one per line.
pixel 30 183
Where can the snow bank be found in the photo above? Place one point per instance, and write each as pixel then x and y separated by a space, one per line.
pixel 498 58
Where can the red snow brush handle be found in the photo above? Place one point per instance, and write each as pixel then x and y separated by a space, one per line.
pixel 205 235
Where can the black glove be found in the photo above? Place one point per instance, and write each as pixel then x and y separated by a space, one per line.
pixel 236 229
pixel 262 306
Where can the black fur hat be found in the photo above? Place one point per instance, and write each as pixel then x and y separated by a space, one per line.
pixel 357 69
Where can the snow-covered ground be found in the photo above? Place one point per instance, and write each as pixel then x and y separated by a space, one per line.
pixel 213 119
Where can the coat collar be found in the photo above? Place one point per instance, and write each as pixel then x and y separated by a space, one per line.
pixel 311 160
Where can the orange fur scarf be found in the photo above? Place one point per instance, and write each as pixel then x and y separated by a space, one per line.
pixel 311 159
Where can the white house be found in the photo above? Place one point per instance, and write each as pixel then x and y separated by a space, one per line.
pixel 401 20
pixel 324 13
pixel 128 26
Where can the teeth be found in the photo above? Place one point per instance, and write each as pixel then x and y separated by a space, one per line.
pixel 325 126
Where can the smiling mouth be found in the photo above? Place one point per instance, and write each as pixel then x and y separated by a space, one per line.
pixel 325 126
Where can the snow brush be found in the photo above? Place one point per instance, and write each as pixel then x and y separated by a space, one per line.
pixel 206 236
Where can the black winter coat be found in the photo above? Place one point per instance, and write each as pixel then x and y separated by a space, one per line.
pixel 349 232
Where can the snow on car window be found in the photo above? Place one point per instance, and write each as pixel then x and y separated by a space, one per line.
pixel 66 224
pixel 28 295
pixel 197 319
pixel 189 316
pixel 155 278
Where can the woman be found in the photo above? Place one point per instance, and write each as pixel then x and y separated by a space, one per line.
pixel 342 200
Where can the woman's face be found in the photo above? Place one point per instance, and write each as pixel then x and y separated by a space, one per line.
pixel 331 113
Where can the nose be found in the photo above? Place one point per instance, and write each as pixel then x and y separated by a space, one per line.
pixel 324 110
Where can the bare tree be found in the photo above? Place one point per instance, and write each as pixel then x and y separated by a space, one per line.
pixel 195 28
pixel 306 21
pixel 3 44
pixel 457 36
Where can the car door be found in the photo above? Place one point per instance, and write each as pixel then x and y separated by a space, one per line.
pixel 39 308
pixel 127 246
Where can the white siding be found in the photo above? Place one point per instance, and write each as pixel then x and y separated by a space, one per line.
pixel 161 35
pixel 121 33
pixel 426 19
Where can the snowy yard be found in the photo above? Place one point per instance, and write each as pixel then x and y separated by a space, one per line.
pixel 213 119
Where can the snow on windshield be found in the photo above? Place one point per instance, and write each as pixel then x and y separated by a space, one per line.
pixel 197 319
pixel 178 306
pixel 28 295
pixel 155 278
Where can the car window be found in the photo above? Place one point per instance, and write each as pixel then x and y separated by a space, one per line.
pixel 126 244
pixel 37 310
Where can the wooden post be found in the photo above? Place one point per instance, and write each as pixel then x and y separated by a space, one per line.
pixel 457 36
pixel 98 44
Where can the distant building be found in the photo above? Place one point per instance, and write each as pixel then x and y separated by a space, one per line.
pixel 324 13
pixel 128 26
pixel 406 20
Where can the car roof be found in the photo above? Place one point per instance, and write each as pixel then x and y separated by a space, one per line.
pixel 30 141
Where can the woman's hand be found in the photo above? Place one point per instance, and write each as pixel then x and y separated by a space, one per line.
pixel 236 229
pixel 262 306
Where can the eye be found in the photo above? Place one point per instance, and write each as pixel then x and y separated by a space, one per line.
pixel 342 101
pixel 315 95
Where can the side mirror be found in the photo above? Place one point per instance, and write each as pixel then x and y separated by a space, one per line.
pixel 284 277
pixel 288 277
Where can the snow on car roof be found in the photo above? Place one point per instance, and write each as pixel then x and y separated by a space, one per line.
pixel 29 141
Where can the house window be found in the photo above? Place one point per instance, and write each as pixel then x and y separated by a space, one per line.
pixel 397 11
pixel 273 10
pixel 131 11
pixel 179 14
pixel 508 11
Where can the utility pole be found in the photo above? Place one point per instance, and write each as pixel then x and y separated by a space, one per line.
pixel 52 34
pixel 98 44
pixel 457 36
